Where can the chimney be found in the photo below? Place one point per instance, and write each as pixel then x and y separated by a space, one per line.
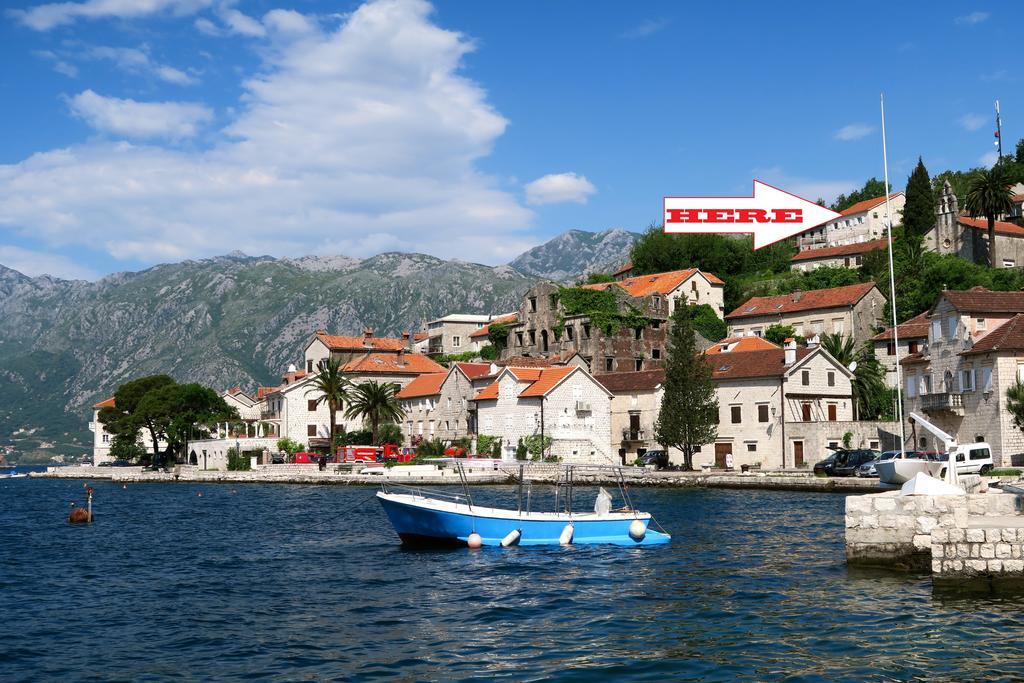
pixel 813 342
pixel 321 332
pixel 407 340
pixel 367 336
pixel 797 295
pixel 789 346
pixel 401 356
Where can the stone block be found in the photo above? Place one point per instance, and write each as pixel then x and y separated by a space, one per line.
pixel 926 524
pixel 905 522
pixel 995 566
pixel 1009 535
pixel 938 549
pixel 975 535
pixel 963 550
pixel 957 566
pixel 993 535
pixel 869 522
pixel 1015 550
pixel 979 566
pixel 1003 551
pixel 1020 534
pixel 960 517
pixel 975 549
pixel 922 541
pixel 883 504
pixel 940 535
pixel 936 565
pixel 988 551
pixel 957 535
pixel 887 521
pixel 976 506
pixel 1013 566
pixel 852 522
pixel 858 504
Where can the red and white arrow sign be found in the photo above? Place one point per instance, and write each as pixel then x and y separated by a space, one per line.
pixel 770 215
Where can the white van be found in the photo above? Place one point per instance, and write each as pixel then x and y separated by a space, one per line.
pixel 971 458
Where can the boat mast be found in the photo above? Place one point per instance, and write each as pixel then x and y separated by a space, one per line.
pixel 892 288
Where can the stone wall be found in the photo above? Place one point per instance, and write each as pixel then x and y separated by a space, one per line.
pixel 977 552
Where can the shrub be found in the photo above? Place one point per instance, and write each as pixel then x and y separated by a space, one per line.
pixel 389 433
pixel 1003 472
pixel 488 445
pixel 490 352
pixel 237 462
pixel 289 446
pixel 535 445
pixel 707 323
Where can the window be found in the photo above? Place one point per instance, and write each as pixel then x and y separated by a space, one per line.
pixel 926 384
pixel 951 325
pixel 456 342
pixel 638 333
pixel 833 410
pixel 431 427
pixel 911 386
pixel 756 331
pixel 752 447
pixel 533 304
pixel 737 414
pixel 309 365
pixel 805 410
pixel 609 364
pixel 762 412
pixel 655 324
pixel 1008 263
pixel 310 430
pixel 986 379
pixel 1020 372
pixel 656 354
pixel 311 405
pixel 980 454
pixel 967 380
pixel 837 325
pixel 981 324
pixel 890 349
pixel 831 378
pixel 519 338
pixel 873 445
pixel 106 438
pixel 570 332
pixel 936 330
pixel 586 330
pixel 533 337
pixel 805 378
pixel 638 364
pixel 913 347
pixel 818 326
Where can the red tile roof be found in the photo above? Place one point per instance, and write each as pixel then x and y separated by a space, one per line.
pixel 835 297
pixel 981 300
pixel 263 391
pixel 844 250
pixel 490 392
pixel 342 343
pixel 105 403
pixel 424 385
pixel 501 319
pixel 1007 337
pixel 626 267
pixel 867 204
pixel 915 328
pixel 631 382
pixel 419 336
pixel 740 344
pixel 750 364
pixel 655 283
pixel 914 359
pixel 1002 227
pixel 392 363
pixel 474 370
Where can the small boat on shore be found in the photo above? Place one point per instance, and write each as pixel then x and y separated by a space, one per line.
pixel 901 470
pixel 422 517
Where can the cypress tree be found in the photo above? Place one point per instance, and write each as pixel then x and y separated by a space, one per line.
pixel 919 210
pixel 689 410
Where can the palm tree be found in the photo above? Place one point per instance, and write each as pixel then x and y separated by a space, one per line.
pixel 868 375
pixel 334 391
pixel 989 195
pixel 376 404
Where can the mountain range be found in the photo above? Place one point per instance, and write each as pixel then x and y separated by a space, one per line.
pixel 235 319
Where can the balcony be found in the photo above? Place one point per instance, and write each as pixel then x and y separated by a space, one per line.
pixel 269 415
pixel 633 435
pixel 943 403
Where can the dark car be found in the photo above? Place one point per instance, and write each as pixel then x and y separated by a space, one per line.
pixel 848 462
pixel 825 468
pixel 657 458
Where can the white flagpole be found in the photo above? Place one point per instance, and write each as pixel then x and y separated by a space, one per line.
pixel 892 288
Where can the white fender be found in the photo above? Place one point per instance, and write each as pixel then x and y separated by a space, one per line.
pixel 511 538
pixel 637 530
pixel 566 537
pixel 474 540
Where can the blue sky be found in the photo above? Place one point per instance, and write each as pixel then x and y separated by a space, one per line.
pixel 146 131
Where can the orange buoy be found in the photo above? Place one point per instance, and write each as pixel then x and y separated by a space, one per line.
pixel 474 540
pixel 79 516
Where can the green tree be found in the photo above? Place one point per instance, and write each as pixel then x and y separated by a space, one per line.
pixel 873 187
pixel 825 277
pixel 125 416
pixel 688 416
pixel 779 333
pixel 989 195
pixel 126 446
pixel 868 384
pixel 597 278
pixel 389 432
pixel 332 389
pixel 1015 404
pixel 707 323
pixel 375 403
pixel 536 445
pixel 919 209
pixel 289 446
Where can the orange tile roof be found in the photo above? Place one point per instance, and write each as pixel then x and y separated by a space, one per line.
pixel 626 267
pixel 263 391
pixel 549 378
pixel 490 392
pixel 741 344
pixel 105 403
pixel 1002 227
pixel 342 343
pixel 834 297
pixel 408 364
pixel 844 250
pixel 655 283
pixel 424 385
pixel 474 370
pixel 419 336
pixel 867 204
pixel 915 328
pixel 501 319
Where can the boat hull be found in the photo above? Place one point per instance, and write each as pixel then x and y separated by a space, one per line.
pixel 426 521
pixel 903 470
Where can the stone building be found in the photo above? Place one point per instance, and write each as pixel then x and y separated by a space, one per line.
pixel 975 352
pixel 454 333
pixel 636 402
pixel 544 329
pixel 479 338
pixel 968 237
pixel 845 256
pixel 913 336
pixel 862 222
pixel 440 405
pixel 347 348
pixel 853 310
pixel 565 404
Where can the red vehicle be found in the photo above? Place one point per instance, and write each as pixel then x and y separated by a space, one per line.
pixel 375 453
pixel 306 458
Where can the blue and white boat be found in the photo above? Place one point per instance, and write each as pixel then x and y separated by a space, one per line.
pixel 422 517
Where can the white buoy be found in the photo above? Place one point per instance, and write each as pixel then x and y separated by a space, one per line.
pixel 566 537
pixel 511 538
pixel 474 540
pixel 637 530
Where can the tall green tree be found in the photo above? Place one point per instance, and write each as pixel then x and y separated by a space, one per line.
pixel 919 209
pixel 333 390
pixel 989 195
pixel 873 187
pixel 689 409
pixel 1015 404
pixel 376 404
pixel 870 394
pixel 126 417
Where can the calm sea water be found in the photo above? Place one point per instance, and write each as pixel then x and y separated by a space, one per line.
pixel 310 583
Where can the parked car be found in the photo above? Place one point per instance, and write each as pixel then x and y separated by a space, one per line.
pixel 868 469
pixel 825 468
pixel 971 458
pixel 848 462
pixel 277 459
pixel 657 458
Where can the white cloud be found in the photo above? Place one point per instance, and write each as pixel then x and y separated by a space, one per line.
pixel 129 118
pixel 989 159
pixel 35 263
pixel 972 121
pixel 555 188
pixel 59 65
pixel 241 23
pixel 645 28
pixel 137 60
pixel 810 189
pixel 854 131
pixel 52 15
pixel 973 18
pixel 366 129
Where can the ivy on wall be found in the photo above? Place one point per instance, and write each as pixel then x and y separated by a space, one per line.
pixel 601 306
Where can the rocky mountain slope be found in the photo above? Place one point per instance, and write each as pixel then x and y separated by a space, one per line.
pixel 575 253
pixel 231 320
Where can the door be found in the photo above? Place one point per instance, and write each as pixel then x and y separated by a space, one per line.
pixel 806 410
pixel 831 412
pixel 634 427
pixel 722 450
pixel 798 454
